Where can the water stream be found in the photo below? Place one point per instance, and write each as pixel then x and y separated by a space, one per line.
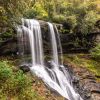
pixel 55 77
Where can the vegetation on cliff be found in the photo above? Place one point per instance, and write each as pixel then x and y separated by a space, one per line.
pixel 85 61
pixel 79 15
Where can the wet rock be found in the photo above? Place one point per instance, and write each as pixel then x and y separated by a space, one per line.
pixel 95 87
pixel 85 83
pixel 75 80
pixel 48 63
pixel 25 67
pixel 9 46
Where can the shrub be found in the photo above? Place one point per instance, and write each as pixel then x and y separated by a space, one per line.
pixel 29 94
pixel 36 12
pixel 58 18
pixel 72 22
pixel 5 72
pixel 31 13
pixel 15 85
pixel 88 24
pixel 95 52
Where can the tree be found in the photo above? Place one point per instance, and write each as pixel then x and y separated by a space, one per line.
pixel 12 10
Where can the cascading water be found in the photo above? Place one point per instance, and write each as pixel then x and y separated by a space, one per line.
pixel 56 77
pixel 63 76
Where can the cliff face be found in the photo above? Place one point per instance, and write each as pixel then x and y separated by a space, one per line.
pixel 90 89
pixel 70 42
pixel 84 82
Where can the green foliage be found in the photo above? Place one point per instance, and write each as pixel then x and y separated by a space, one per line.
pixel 72 21
pixel 37 11
pixel 15 85
pixel 59 18
pixel 31 13
pixel 41 13
pixel 82 14
pixel 95 52
pixel 28 95
pixel 89 22
pixel 86 16
pixel 11 11
pixel 5 72
pixel 82 60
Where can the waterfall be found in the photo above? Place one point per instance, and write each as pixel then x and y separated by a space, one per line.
pixel 56 77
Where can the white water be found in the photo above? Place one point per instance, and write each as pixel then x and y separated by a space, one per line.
pixel 55 77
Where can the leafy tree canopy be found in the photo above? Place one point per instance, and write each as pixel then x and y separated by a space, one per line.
pixel 81 14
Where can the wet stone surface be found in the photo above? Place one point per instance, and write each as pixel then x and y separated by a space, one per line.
pixel 85 83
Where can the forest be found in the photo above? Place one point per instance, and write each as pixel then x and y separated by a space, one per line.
pixel 78 23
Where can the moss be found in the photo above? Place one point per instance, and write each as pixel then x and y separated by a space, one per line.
pixel 95 52
pixel 84 61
